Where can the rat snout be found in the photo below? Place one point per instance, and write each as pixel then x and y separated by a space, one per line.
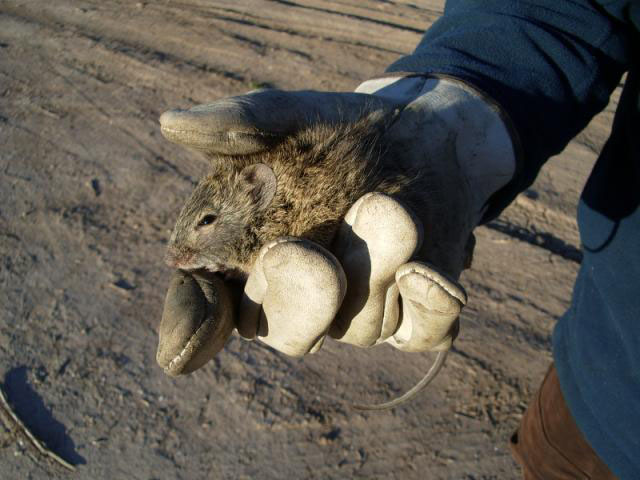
pixel 178 257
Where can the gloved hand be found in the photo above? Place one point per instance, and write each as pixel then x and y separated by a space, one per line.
pixel 294 296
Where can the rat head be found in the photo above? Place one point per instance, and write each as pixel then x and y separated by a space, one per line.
pixel 214 229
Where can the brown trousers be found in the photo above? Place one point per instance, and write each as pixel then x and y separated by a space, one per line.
pixel 548 444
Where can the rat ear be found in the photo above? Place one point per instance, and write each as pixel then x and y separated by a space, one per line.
pixel 261 183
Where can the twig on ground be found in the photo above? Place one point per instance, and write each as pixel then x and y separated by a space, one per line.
pixel 15 426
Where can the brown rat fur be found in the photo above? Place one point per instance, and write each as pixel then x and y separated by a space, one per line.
pixel 319 173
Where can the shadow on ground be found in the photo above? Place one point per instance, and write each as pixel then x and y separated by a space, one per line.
pixel 33 412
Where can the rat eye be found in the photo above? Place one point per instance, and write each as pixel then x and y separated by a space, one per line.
pixel 207 220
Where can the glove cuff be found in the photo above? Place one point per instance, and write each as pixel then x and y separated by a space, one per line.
pixel 485 143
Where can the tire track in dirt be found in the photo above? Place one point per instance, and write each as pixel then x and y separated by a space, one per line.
pixel 142 53
pixel 258 23
pixel 353 16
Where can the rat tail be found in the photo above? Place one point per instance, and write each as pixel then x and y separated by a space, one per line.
pixel 417 388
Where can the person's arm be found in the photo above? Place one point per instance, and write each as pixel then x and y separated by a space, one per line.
pixel 551 65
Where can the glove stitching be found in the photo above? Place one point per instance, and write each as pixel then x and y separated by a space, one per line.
pixel 208 133
pixel 184 350
pixel 438 282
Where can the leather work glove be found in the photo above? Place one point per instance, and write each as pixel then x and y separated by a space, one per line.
pixel 370 289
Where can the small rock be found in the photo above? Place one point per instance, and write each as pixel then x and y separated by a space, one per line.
pixel 97 189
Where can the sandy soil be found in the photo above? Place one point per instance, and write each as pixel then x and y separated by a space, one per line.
pixel 89 191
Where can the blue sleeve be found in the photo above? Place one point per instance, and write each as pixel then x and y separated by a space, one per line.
pixel 550 64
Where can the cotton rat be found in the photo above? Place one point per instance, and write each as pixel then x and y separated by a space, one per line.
pixel 302 187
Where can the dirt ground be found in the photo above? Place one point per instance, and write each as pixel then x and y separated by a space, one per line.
pixel 89 191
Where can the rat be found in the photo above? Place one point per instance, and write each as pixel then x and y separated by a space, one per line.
pixel 302 187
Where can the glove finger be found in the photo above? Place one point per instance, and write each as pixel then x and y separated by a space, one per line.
pixel 292 296
pixel 196 322
pixel 254 122
pixel 431 304
pixel 378 235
